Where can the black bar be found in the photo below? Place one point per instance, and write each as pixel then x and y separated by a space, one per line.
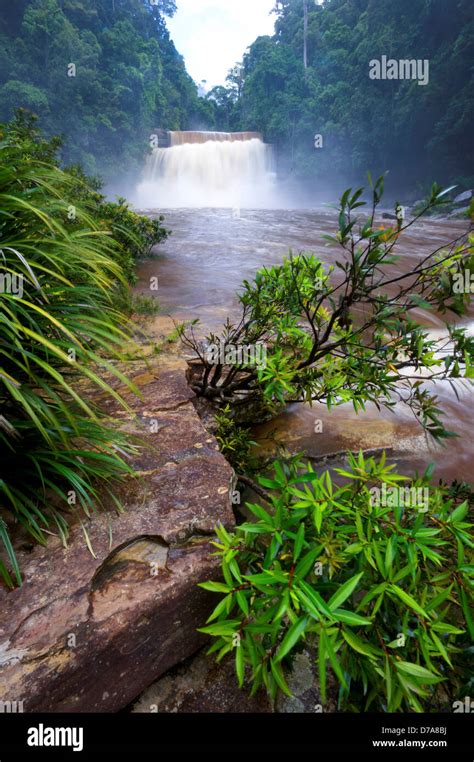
pixel 444 735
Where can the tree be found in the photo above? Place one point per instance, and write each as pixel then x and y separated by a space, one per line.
pixel 355 337
pixel 128 79
pixel 305 34
pixel 236 79
pixel 417 133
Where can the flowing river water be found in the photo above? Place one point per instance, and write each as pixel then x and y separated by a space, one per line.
pixel 200 268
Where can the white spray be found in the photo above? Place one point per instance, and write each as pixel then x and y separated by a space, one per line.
pixel 209 170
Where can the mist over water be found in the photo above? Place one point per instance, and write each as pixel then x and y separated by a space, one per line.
pixel 209 170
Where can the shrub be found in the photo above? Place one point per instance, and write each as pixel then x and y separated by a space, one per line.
pixel 234 441
pixel 380 590
pixel 145 305
pixel 60 326
pixel 350 332
pixel 134 235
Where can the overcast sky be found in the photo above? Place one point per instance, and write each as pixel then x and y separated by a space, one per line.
pixel 213 34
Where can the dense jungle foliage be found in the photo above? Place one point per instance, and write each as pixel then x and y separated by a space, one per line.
pixel 417 132
pixel 129 78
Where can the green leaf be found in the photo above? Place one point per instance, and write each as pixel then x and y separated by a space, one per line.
pixel 448 629
pixel 299 542
pixel 390 553
pixel 459 513
pixel 261 514
pixel 322 665
pixel 240 664
pixel 408 600
pixel 357 644
pixel 292 637
pixel 349 617
pixel 318 516
pixel 335 663
pixel 307 562
pixel 221 628
pixel 277 673
pixel 315 597
pixel 234 568
pixel 441 648
pixel 4 536
pixel 388 682
pixel 221 607
pixel 243 602
pixel 467 611
pixel 420 672
pixel 344 591
pixel 267 578
pixel 215 587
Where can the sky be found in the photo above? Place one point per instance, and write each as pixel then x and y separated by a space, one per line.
pixel 213 35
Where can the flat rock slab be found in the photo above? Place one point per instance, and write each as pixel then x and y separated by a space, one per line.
pixel 163 387
pixel 91 628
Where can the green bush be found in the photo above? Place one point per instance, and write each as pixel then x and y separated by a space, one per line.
pixel 234 441
pixel 145 305
pixel 59 322
pixel 351 331
pixel 134 235
pixel 376 580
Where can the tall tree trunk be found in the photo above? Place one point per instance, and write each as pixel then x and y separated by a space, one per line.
pixel 305 34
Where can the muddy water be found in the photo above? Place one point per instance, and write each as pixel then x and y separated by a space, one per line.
pixel 201 267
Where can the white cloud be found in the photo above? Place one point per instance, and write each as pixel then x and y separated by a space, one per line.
pixel 213 34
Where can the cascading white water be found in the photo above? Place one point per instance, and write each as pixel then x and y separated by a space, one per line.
pixel 208 170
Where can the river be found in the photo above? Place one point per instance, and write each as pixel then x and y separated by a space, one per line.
pixel 200 268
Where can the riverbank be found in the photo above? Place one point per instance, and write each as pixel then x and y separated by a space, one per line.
pixel 97 621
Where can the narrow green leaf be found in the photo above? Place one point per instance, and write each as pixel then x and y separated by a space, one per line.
pixel 417 671
pixel 299 542
pixel 292 637
pixel 240 664
pixel 349 617
pixel 344 591
pixel 408 600
pixel 277 673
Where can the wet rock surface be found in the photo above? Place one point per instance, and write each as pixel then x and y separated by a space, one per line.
pixel 202 685
pixel 92 627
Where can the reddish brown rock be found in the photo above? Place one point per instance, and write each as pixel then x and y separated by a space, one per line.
pixel 90 632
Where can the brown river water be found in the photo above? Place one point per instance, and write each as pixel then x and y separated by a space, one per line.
pixel 200 268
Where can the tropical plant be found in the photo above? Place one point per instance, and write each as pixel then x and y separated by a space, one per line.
pixel 59 323
pixel 374 575
pixel 145 305
pixel 350 332
pixel 120 80
pixel 234 441
pixel 134 235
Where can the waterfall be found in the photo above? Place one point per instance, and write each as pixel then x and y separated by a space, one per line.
pixel 208 169
pixel 177 138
